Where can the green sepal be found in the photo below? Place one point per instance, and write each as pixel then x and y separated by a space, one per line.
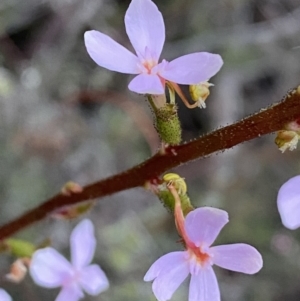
pixel 168 201
pixel 168 124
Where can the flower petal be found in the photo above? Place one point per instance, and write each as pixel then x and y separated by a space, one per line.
pixel 204 286
pixel 192 68
pixel 109 54
pixel 204 224
pixel 169 280
pixel 237 257
pixel 145 28
pixel 164 264
pixel 70 293
pixel 83 244
pixel 288 202
pixel 4 296
pixel 49 269
pixel 147 84
pixel 93 280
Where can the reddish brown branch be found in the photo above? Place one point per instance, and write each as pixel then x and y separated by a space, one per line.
pixel 264 122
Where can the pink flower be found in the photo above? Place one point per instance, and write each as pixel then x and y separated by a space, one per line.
pixel 50 269
pixel 199 230
pixel 146 30
pixel 4 296
pixel 288 202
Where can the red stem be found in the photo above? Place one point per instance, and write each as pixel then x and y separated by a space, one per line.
pixel 264 122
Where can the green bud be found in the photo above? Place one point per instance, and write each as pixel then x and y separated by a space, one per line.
pixel 73 211
pixel 18 247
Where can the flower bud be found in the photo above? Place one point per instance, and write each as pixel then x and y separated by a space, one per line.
pixel 177 181
pixel 289 137
pixel 18 270
pixel 287 140
pixel 71 188
pixel 18 247
pixel 73 211
pixel 200 92
pixel 166 196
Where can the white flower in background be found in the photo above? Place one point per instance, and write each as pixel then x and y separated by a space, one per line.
pixel 50 269
pixel 4 296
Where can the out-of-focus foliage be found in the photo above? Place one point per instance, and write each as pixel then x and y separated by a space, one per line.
pixel 63 118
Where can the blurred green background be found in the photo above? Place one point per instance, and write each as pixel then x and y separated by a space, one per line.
pixel 64 118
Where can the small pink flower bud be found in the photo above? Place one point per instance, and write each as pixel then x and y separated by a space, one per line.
pixel 18 270
pixel 73 211
pixel 71 187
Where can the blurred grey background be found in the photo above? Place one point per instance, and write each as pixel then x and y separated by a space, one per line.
pixel 64 118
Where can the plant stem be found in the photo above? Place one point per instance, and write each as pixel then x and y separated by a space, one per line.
pixel 266 121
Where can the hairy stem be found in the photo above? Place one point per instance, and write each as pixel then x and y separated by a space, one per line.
pixel 266 121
